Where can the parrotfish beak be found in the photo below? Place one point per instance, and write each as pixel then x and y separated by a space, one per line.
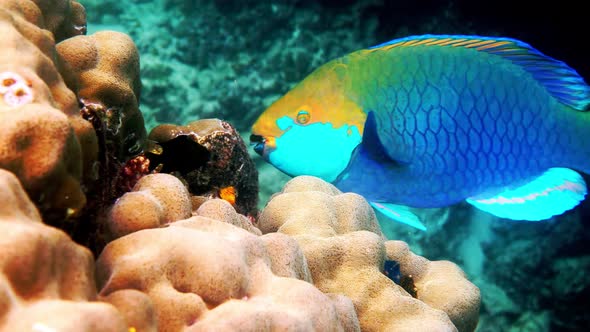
pixel 258 142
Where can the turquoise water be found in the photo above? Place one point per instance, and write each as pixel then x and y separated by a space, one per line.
pixel 231 59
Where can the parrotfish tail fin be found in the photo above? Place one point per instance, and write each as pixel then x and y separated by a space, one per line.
pixel 554 192
pixel 399 213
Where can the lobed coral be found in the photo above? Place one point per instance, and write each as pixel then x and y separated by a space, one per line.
pixel 191 290
pixel 38 113
pixel 346 253
pixel 47 279
pixel 105 67
pixel 156 199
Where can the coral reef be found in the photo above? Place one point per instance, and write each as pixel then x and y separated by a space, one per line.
pixel 346 253
pixel 189 288
pixel 212 158
pixel 440 284
pixel 106 71
pixel 38 113
pixel 47 279
pixel 182 251
pixel 156 199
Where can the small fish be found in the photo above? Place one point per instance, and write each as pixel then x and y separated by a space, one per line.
pixel 429 121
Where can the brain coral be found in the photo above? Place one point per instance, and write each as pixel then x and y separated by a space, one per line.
pixel 46 279
pixel 215 276
pixel 346 251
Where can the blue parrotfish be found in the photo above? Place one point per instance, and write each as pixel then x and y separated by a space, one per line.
pixel 429 121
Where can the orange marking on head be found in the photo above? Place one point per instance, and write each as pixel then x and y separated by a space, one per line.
pixel 324 95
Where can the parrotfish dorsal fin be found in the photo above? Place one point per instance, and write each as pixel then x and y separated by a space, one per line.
pixel 560 80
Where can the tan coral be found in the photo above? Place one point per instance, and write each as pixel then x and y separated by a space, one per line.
pixel 31 79
pixel 220 209
pixel 217 277
pixel 39 146
pixel 346 251
pixel 105 77
pixel 106 65
pixel 136 308
pixel 156 199
pixel 440 284
pixel 46 278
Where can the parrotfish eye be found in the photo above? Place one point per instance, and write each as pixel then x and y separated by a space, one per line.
pixel 303 117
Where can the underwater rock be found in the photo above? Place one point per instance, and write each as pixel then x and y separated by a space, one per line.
pixel 47 279
pixel 216 276
pixel 212 158
pixel 346 251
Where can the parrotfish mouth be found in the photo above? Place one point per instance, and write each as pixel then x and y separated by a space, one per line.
pixel 258 142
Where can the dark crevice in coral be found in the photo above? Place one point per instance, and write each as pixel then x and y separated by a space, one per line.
pixel 181 154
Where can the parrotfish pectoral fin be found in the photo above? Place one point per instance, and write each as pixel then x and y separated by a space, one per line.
pixel 371 143
pixel 554 192
pixel 370 171
pixel 399 213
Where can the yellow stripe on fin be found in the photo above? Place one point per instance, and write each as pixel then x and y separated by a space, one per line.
pixel 440 42
pixel 466 42
pixel 481 43
pixel 425 41
pixel 492 45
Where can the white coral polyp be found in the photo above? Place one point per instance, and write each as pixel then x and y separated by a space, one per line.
pixel 14 89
